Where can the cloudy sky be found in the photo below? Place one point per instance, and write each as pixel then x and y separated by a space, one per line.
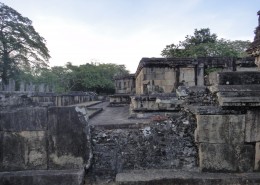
pixel 124 31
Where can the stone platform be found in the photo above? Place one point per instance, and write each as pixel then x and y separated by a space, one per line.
pixel 171 177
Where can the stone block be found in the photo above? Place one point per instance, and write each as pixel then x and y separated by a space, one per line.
pixel 68 138
pixel 252 101
pixel 43 177
pixel 226 158
pixel 227 129
pixel 257 156
pixel 24 150
pixel 170 76
pixel 238 78
pixel 25 119
pixel 1 149
pixel 187 75
pixel 252 133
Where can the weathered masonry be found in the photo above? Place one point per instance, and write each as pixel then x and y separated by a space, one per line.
pixel 125 84
pixel 124 87
pixel 43 145
pixel 165 75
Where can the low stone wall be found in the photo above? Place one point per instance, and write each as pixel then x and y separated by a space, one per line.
pixel 63 99
pixel 119 99
pixel 40 138
pixel 163 143
pixel 53 99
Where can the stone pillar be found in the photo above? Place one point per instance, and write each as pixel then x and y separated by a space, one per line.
pixel 41 88
pixel 10 86
pixel 257 62
pixel 22 86
pixel 200 75
pixel 47 89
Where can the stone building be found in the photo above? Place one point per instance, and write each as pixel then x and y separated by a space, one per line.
pixel 125 84
pixel 164 75
pixel 254 48
pixel 124 87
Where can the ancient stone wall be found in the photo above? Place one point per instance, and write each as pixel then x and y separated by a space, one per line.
pixel 40 138
pixel 125 84
pixel 222 145
pixel 187 76
pixel 228 132
pixel 63 99
pixel 164 143
pixel 155 80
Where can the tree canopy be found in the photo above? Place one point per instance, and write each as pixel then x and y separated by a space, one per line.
pixel 21 47
pixel 96 77
pixel 203 43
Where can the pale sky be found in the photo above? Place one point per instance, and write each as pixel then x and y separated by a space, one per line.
pixel 124 31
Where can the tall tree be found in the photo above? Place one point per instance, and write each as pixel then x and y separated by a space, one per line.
pixel 20 45
pixel 203 43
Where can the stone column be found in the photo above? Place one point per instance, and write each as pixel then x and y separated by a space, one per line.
pixel 22 86
pixel 11 85
pixel 41 88
pixel 200 75
pixel 47 89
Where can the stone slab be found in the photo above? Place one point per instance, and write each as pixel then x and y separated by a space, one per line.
pixel 257 157
pixel 239 94
pixel 67 137
pixel 238 78
pixel 210 110
pixel 25 119
pixel 24 150
pixel 252 101
pixel 235 88
pixel 1 149
pixel 171 177
pixel 227 129
pixel 43 177
pixel 226 158
pixel 252 133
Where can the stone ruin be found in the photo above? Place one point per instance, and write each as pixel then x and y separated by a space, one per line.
pixel 25 87
pixel 184 127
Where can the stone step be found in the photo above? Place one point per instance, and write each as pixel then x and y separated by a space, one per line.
pixel 42 177
pixel 173 177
